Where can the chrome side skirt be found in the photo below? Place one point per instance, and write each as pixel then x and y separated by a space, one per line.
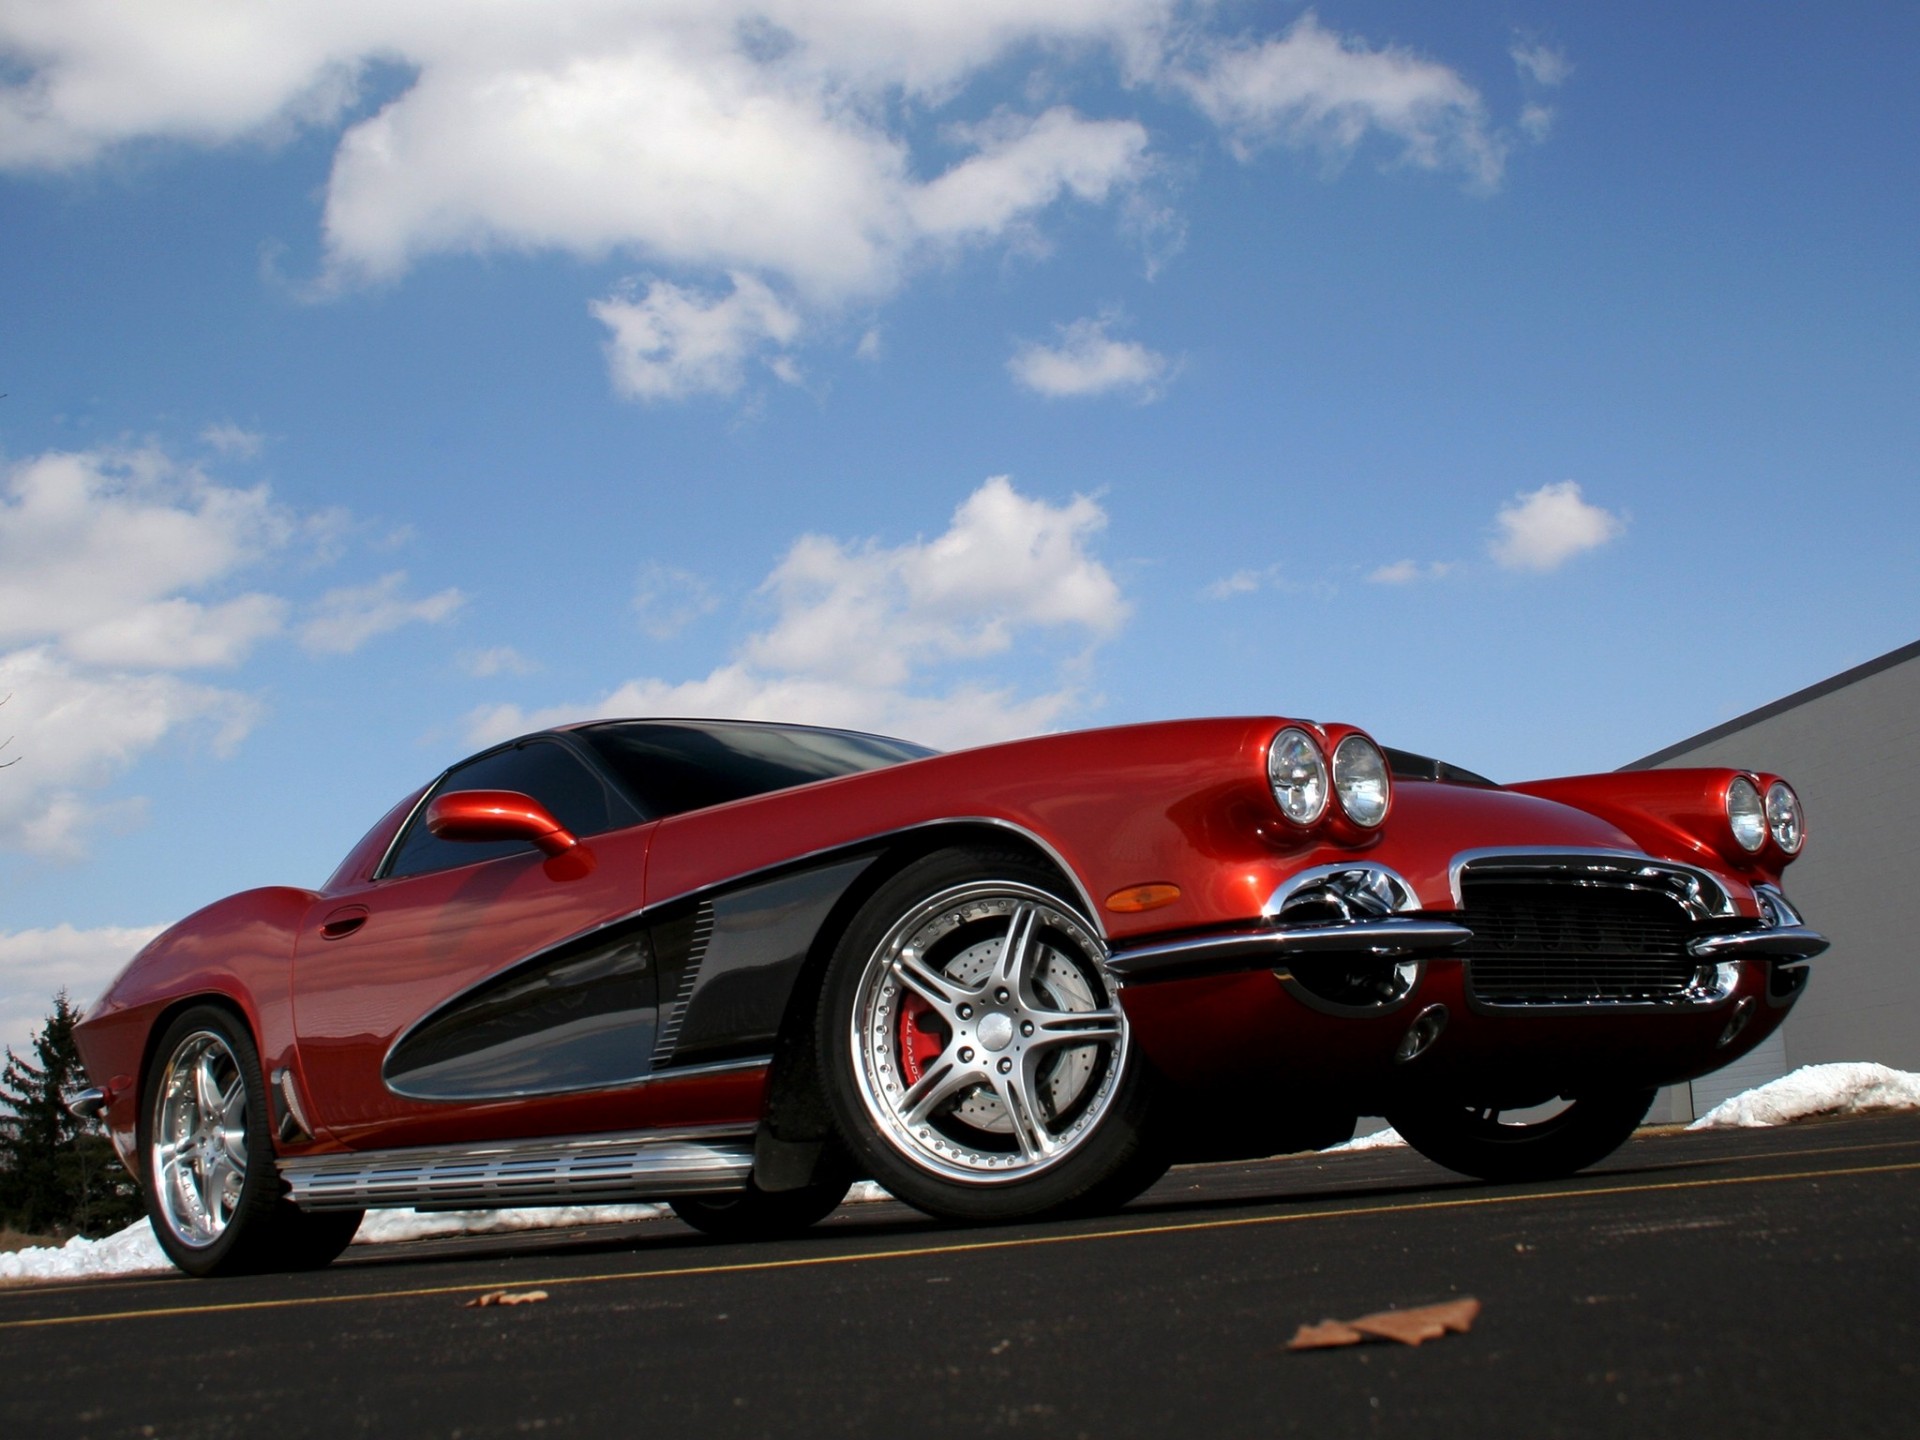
pixel 587 1169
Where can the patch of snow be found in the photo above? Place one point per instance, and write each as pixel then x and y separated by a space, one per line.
pixel 1378 1140
pixel 386 1227
pixel 1847 1088
pixel 135 1251
pixel 131 1251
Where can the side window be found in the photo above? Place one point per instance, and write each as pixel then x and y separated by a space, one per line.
pixel 578 798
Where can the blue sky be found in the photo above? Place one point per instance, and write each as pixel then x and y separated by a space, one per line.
pixel 1532 383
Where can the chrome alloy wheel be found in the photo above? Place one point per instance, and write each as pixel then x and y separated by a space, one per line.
pixel 199 1150
pixel 987 1038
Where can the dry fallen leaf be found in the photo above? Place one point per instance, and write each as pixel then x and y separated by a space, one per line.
pixel 1325 1336
pixel 507 1297
pixel 1409 1327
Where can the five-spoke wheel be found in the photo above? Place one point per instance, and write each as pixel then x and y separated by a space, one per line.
pixel 199 1148
pixel 212 1190
pixel 975 1046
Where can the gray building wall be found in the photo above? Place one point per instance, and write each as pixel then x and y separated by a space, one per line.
pixel 1851 748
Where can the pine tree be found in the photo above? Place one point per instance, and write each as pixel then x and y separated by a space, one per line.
pixel 57 1172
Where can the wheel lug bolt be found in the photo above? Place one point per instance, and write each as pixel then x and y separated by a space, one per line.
pixel 1001 994
pixel 965 1012
pixel 966 1054
pixel 1026 1027
pixel 1006 1065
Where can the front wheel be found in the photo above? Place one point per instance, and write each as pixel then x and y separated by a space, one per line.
pixel 212 1190
pixel 977 1058
pixel 1475 1140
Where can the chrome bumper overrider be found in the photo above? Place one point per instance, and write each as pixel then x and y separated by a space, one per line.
pixel 1788 942
pixel 88 1104
pixel 594 1168
pixel 1388 936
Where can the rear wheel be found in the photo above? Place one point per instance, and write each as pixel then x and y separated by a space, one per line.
pixel 976 1055
pixel 1476 1140
pixel 212 1190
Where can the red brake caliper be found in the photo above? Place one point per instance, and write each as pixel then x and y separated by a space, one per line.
pixel 922 1038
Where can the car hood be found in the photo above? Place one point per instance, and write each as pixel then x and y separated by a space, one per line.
pixel 1432 824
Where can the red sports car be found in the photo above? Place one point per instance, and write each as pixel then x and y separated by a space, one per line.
pixel 736 966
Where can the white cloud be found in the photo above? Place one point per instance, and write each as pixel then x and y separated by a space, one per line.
pixel 229 439
pixel 1315 89
pixel 1543 529
pixel 1089 361
pixel 1541 67
pixel 1252 580
pixel 177 634
pixel 783 140
pixel 667 600
pixel 1540 63
pixel 496 660
pixel 37 964
pixel 105 558
pixel 345 619
pixel 1241 582
pixel 671 342
pixel 95 546
pixel 74 731
pixel 1406 572
pixel 118 570
pixel 862 634
pixel 1022 164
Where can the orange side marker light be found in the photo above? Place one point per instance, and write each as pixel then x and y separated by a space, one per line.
pixel 1132 899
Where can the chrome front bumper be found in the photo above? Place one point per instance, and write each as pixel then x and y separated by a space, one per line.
pixel 1362 909
pixel 1390 937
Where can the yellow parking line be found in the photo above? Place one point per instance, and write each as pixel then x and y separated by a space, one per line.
pixel 143 1281
pixel 966 1247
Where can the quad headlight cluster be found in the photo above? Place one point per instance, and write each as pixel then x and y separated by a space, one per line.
pixel 1755 817
pixel 1303 781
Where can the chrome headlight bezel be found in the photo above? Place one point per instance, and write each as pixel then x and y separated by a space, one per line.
pixel 1362 780
pixel 1746 814
pixel 1786 821
pixel 1297 775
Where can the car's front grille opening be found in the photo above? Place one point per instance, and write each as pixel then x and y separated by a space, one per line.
pixel 1541 940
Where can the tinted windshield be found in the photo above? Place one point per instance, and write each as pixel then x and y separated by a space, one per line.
pixel 672 766
pixel 1408 766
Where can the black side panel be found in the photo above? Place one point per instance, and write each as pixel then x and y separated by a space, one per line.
pixel 730 961
pixel 580 1017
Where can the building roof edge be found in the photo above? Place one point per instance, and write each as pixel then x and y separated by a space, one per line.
pixel 1780 706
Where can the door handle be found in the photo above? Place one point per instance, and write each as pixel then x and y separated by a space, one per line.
pixel 343 922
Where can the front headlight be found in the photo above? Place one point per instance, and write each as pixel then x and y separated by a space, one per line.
pixel 1745 815
pixel 1784 821
pixel 1298 775
pixel 1360 780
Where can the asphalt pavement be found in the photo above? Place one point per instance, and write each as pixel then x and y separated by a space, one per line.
pixel 1748 1283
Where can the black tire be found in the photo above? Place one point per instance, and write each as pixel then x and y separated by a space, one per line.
pixel 756 1214
pixel 1029 1098
pixel 1473 1140
pixel 211 1188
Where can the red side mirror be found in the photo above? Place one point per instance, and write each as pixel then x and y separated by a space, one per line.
pixel 497 815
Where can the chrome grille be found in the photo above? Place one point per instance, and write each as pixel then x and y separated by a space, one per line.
pixel 1540 940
